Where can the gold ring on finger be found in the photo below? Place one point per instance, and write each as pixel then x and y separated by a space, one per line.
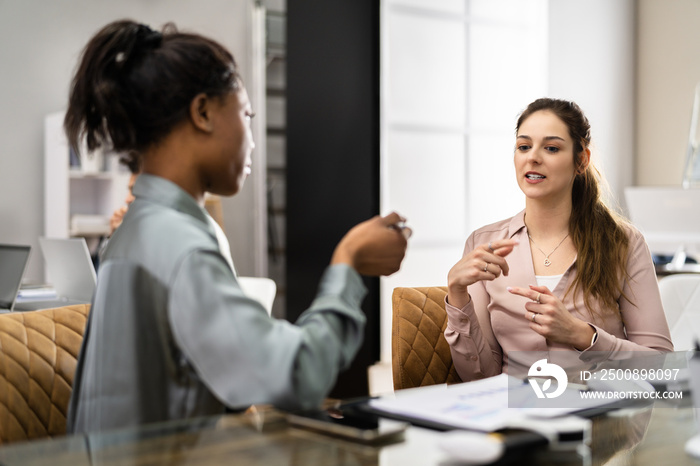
pixel 538 298
pixel 534 316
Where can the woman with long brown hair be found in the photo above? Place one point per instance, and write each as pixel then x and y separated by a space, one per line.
pixel 565 273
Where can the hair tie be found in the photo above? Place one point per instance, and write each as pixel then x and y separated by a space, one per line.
pixel 147 37
pixel 143 38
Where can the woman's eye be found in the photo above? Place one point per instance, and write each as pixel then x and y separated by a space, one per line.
pixel 522 147
pixel 551 149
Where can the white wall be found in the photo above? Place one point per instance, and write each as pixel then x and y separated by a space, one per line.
pixel 41 41
pixel 592 62
pixel 668 70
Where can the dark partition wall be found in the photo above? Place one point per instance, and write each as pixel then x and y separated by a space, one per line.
pixel 332 151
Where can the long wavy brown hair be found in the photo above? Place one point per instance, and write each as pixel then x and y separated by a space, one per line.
pixel 598 232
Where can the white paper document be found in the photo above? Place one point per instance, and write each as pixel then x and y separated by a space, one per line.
pixel 481 405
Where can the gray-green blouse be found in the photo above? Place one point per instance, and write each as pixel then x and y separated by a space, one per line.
pixel 171 334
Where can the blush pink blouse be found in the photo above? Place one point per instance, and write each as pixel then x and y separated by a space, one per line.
pixel 485 331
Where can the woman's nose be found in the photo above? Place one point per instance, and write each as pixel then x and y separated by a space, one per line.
pixel 534 155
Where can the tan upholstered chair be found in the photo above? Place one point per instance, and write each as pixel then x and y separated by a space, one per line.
pixel 38 356
pixel 420 354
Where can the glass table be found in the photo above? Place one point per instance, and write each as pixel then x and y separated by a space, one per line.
pixel 649 435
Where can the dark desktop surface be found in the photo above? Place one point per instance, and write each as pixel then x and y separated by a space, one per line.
pixel 664 266
pixel 665 259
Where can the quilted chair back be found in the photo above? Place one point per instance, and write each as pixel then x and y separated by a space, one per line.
pixel 420 354
pixel 38 356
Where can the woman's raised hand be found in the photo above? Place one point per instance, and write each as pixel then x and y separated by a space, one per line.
pixel 485 262
pixel 549 317
pixel 374 247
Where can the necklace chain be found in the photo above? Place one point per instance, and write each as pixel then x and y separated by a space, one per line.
pixel 547 262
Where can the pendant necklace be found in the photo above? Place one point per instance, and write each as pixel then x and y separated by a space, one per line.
pixel 547 262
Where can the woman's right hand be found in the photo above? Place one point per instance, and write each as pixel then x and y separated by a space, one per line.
pixel 485 262
pixel 374 247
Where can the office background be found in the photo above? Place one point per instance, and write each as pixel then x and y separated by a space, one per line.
pixel 41 45
pixel 632 65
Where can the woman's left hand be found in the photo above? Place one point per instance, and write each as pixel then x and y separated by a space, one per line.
pixel 549 317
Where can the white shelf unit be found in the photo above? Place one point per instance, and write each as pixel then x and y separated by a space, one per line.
pixel 91 191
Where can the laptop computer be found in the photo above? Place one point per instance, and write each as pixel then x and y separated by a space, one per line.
pixel 70 271
pixel 13 261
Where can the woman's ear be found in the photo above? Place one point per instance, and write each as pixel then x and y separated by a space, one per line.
pixel 583 161
pixel 200 113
